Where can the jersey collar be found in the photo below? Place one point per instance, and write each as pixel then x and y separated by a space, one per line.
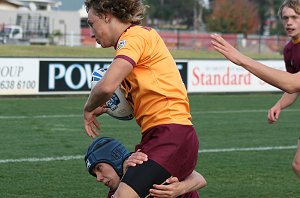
pixel 296 40
pixel 122 34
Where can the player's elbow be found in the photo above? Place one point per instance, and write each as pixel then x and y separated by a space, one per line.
pixel 106 90
pixel 291 89
pixel 291 84
pixel 202 182
pixel 296 167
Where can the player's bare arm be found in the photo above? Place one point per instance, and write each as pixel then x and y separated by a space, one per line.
pixel 175 188
pixel 193 182
pixel 296 162
pixel 134 159
pixel 285 101
pixel 283 80
pixel 102 92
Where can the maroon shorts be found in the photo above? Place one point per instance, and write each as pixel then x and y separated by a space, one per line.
pixel 193 194
pixel 173 146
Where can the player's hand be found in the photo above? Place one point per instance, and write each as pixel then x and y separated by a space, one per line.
pixel 273 114
pixel 226 49
pixel 136 158
pixel 171 189
pixel 91 124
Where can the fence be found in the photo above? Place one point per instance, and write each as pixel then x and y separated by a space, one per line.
pixel 184 40
pixel 201 41
pixel 190 40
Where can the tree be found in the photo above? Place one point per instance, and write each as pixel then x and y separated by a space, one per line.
pixel 198 11
pixel 171 13
pixel 233 16
pixel 267 11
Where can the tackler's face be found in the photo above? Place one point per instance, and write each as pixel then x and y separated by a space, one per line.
pixel 99 28
pixel 107 175
pixel 291 22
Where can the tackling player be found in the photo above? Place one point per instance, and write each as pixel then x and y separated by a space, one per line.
pixel 288 81
pixel 107 160
pixel 153 85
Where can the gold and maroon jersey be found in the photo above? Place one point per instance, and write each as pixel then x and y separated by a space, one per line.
pixel 154 87
pixel 291 55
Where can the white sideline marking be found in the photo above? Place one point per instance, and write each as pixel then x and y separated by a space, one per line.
pixel 81 157
pixel 247 149
pixel 193 112
pixel 40 116
pixel 46 159
pixel 240 111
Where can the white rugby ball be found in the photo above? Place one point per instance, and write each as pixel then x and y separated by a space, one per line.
pixel 117 106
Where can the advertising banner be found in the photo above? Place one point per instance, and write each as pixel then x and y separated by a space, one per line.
pixel 68 76
pixel 19 76
pixel 74 76
pixel 183 70
pixel 41 76
pixel 224 76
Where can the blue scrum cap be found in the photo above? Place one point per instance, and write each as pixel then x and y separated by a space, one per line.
pixel 106 150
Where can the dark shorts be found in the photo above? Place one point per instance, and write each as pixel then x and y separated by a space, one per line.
pixel 172 151
pixel 142 177
pixel 172 146
pixel 140 182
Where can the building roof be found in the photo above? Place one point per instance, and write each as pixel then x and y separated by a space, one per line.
pixel 52 3
pixel 31 4
pixel 15 2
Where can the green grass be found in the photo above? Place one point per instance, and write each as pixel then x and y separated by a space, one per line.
pixel 53 51
pixel 53 127
pixel 63 51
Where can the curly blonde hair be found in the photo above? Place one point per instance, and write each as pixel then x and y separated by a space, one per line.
pixel 293 4
pixel 127 11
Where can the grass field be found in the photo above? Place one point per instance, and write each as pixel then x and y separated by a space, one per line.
pixel 42 143
pixel 64 51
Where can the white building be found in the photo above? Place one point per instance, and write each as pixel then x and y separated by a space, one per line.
pixel 49 21
pixel 31 5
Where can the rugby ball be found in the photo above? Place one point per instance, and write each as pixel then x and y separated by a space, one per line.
pixel 117 106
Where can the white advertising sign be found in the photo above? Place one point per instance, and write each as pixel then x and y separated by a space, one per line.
pixel 35 76
pixel 224 76
pixel 19 76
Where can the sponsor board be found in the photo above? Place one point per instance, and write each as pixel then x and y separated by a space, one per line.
pixel 68 76
pixel 224 76
pixel 19 76
pixel 39 76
